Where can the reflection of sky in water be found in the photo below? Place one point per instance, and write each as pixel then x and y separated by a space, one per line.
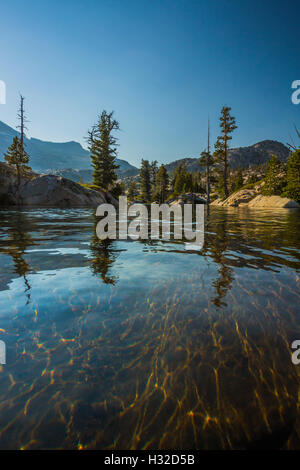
pixel 145 344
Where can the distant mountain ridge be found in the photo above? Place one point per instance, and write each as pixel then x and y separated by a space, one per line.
pixel 258 153
pixel 55 155
pixel 70 160
pixel 244 157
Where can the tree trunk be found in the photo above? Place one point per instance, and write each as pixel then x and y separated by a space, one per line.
pixel 225 171
pixel 207 181
pixel 18 175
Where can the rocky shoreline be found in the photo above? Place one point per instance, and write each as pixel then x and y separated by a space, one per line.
pixel 243 198
pixel 56 191
pixel 252 199
pixel 47 191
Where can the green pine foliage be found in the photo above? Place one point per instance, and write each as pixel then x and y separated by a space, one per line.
pixel 153 173
pixel 292 189
pixel 145 181
pixel 179 182
pixel 227 126
pixel 103 150
pixel 132 191
pixel 220 185
pixel 118 189
pixel 179 179
pixel 161 185
pixel 185 181
pixel 237 180
pixel 274 182
pixel 18 157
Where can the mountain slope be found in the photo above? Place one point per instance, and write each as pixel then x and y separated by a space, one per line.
pixel 258 153
pixel 71 160
pixel 242 156
pixel 55 155
pixel 85 175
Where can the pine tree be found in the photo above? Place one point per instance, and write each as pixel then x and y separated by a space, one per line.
pixel 162 184
pixel 132 191
pixel 273 183
pixel 237 181
pixel 252 179
pixel 103 149
pixel 227 126
pixel 188 182
pixel 179 179
pixel 292 189
pixel 16 155
pixel 220 184
pixel 118 189
pixel 196 176
pixel 153 173
pixel 145 180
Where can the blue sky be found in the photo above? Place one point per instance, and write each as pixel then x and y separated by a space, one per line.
pixel 162 66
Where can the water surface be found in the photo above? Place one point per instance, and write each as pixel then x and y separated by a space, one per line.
pixel 145 345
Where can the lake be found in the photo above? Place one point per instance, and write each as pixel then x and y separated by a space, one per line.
pixel 145 345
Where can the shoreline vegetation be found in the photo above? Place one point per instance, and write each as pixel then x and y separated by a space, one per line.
pixel 274 183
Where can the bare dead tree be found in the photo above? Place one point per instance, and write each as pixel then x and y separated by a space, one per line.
pixel 23 120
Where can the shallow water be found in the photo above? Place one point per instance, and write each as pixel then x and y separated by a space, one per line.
pixel 138 345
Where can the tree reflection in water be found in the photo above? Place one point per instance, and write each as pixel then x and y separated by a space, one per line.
pixel 104 255
pixel 185 349
pixel 17 242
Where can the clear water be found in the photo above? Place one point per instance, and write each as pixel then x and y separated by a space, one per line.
pixel 136 345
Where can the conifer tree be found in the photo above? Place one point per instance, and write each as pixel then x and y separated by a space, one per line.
pixel 118 189
pixel 220 183
pixel 16 155
pixel 132 190
pixel 188 182
pixel 179 179
pixel 162 184
pixel 196 182
pixel 153 173
pixel 293 176
pixel 238 180
pixel 103 150
pixel 227 126
pixel 145 180
pixel 273 184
